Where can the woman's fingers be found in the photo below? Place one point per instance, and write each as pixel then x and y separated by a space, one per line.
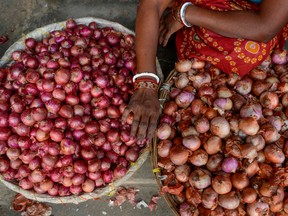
pixel 152 127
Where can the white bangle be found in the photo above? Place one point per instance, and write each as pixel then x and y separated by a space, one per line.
pixel 149 74
pixel 182 13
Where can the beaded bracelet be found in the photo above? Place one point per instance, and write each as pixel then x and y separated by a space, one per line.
pixel 146 85
pixel 182 14
pixel 146 79
pixel 146 74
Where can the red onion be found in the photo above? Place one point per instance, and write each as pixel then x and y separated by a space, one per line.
pixel 279 57
pixel 119 171
pixel 249 125
pixel 230 200
pixel 251 110
pixel 244 86
pixel 26 184
pixel 131 155
pixel 80 167
pixel 269 100
pixel 199 158
pixel 209 198
pixel 202 125
pixel 274 154
pixel 191 142
pixel 36 176
pixel 184 99
pixel 258 208
pixel 214 162
pixel 229 165
pixel 181 81
pixel 200 178
pixel 163 131
pixel 213 145
pixel 221 184
pixel 68 147
pixel 4 165
pixel 269 133
pixel 219 126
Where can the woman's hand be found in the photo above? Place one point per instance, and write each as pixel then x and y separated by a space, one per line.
pixel 168 26
pixel 145 106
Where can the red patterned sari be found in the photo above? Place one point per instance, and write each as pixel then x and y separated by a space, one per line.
pixel 228 54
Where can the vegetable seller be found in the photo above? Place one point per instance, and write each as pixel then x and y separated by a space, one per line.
pixel 233 35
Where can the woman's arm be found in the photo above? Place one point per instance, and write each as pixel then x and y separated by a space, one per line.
pixel 144 103
pixel 147 31
pixel 261 26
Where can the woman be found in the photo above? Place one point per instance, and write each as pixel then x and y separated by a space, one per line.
pixel 234 35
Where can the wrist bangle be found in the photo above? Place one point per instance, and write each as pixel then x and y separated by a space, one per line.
pixel 146 85
pixel 146 74
pixel 182 14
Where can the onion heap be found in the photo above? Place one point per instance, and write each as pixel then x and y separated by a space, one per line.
pixel 61 102
pixel 223 139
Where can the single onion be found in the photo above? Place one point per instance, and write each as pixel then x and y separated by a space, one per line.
pixel 182 173
pixel 229 165
pixel 249 125
pixel 199 158
pixel 222 184
pixel 258 208
pixel 269 100
pixel 239 180
pixel 219 126
pixel 230 200
pixel 209 198
pixel 212 145
pixel 184 99
pixel 214 163
pixel 163 148
pixel 274 154
pixel 249 195
pixel 179 155
pixel 191 142
pixel 200 178
pixel 183 66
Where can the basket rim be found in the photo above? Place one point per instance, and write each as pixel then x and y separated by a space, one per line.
pixel 109 189
pixel 163 96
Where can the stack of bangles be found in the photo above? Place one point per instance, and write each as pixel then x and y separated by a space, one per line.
pixel 146 81
pixel 179 14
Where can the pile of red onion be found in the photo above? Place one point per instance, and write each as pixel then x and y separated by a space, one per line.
pixel 223 140
pixel 61 101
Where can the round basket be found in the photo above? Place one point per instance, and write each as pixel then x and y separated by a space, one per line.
pixel 163 96
pixel 109 189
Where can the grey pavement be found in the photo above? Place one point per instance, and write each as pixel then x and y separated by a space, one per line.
pixel 19 17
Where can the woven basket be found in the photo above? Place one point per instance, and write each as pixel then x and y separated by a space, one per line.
pixel 163 96
pixel 39 34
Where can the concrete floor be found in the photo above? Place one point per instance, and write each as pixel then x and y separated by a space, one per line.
pixel 20 17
